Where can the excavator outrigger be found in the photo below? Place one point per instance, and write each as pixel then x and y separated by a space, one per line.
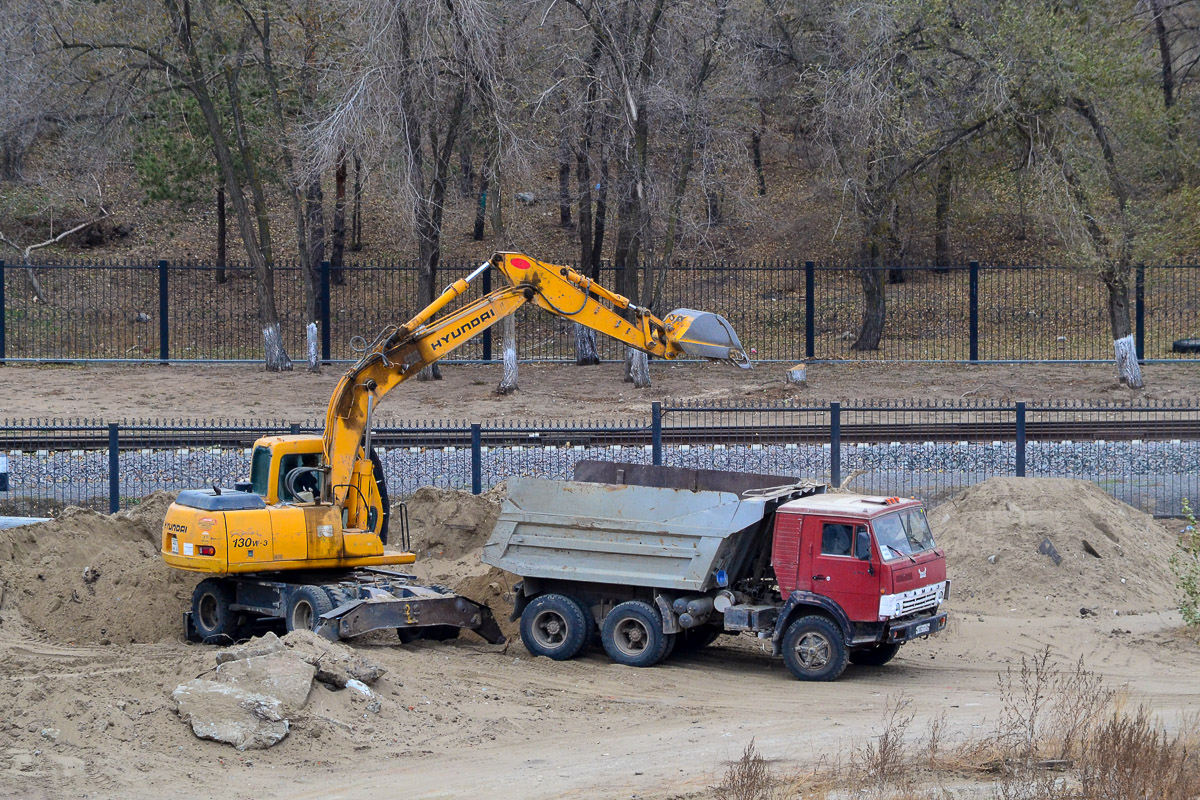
pixel 303 539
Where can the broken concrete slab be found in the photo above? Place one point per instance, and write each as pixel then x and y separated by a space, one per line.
pixel 282 675
pixel 228 713
pixel 335 663
pixel 258 646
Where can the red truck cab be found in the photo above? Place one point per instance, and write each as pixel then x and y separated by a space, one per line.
pixel 870 563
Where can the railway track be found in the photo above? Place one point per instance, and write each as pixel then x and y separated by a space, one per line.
pixel 83 438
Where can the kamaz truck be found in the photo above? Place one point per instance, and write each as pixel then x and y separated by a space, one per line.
pixel 663 558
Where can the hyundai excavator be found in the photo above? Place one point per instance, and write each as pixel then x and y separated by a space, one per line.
pixel 302 542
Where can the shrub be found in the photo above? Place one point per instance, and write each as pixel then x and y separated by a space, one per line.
pixel 1185 563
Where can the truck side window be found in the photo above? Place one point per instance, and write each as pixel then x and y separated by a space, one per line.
pixel 836 539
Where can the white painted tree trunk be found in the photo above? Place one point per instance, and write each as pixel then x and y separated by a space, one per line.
pixel 1129 372
pixel 276 356
pixel 637 368
pixel 585 346
pixel 314 353
pixel 508 380
pixel 797 375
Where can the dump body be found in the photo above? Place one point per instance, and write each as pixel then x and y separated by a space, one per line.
pixel 634 535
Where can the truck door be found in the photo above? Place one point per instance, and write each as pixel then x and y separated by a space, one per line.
pixel 836 572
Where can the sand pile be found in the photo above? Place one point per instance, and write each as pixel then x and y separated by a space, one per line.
pixel 1113 557
pixel 449 529
pixel 90 578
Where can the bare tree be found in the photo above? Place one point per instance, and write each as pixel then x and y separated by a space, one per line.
pixel 421 68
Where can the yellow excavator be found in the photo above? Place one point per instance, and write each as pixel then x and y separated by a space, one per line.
pixel 302 541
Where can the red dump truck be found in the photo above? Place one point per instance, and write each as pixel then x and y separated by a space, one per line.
pixel 664 558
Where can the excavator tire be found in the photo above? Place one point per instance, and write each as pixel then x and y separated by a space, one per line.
pixel 214 620
pixel 305 607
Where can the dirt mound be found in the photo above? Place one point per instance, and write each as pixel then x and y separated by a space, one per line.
pixel 449 529
pixel 1113 557
pixel 88 577
pixel 448 523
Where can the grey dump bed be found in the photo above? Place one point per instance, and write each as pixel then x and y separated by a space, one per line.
pixel 640 535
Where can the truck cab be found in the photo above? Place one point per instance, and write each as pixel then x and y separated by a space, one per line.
pixel 870 562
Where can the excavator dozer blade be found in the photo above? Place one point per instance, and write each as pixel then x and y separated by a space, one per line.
pixel 706 335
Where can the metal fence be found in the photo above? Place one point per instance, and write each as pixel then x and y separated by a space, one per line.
pixel 1147 456
pixel 783 311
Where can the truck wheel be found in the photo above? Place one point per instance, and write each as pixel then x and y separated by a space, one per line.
pixel 554 626
pixel 814 649
pixel 215 621
pixel 305 607
pixel 875 656
pixel 632 634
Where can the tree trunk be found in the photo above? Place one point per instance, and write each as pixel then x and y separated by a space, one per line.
pixel 314 211
pixel 585 346
pixel 356 215
pixel 481 207
pixel 941 225
pixel 601 219
pixel 508 379
pixel 221 234
pixel 337 256
pixel 871 275
pixel 756 157
pixel 497 205
pixel 564 185
pixel 1129 372
pixel 314 357
pixel 466 171
pixel 637 368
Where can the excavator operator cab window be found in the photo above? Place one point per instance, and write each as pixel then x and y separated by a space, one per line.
pixel 260 470
pixel 306 485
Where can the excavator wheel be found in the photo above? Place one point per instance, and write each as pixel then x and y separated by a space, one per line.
pixel 305 607
pixel 214 620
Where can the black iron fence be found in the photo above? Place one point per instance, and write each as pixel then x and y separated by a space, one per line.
pixel 1147 456
pixel 783 311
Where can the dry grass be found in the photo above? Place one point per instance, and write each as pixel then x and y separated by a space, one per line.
pixel 1061 735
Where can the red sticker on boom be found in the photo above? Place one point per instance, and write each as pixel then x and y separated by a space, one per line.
pixel 520 263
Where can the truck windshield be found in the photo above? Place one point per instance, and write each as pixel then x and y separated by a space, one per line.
pixel 903 534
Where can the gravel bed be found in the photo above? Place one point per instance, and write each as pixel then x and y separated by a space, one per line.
pixel 1153 476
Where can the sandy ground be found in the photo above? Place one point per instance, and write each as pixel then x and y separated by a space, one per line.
pixel 550 392
pixel 90 649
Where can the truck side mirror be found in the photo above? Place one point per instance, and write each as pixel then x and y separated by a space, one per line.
pixel 862 545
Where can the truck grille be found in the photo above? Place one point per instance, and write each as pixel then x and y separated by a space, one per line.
pixel 911 605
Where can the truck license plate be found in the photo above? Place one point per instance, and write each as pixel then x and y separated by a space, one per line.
pixel 923 628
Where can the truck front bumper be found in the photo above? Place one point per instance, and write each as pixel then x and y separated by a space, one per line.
pixel 915 629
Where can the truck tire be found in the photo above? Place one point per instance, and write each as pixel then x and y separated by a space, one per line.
pixel 554 625
pixel 814 649
pixel 214 620
pixel 632 634
pixel 875 656
pixel 305 607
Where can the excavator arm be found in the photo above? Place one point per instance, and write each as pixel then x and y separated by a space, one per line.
pixel 402 351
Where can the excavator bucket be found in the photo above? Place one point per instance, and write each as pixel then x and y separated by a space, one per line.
pixel 705 335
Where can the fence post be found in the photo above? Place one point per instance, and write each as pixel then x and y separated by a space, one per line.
pixel 114 469
pixel 487 335
pixel 295 430
pixel 2 313
pixel 476 459
pixel 1020 440
pixel 325 334
pixel 974 311
pixel 810 309
pixel 656 432
pixel 835 443
pixel 164 335
pixel 1139 317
